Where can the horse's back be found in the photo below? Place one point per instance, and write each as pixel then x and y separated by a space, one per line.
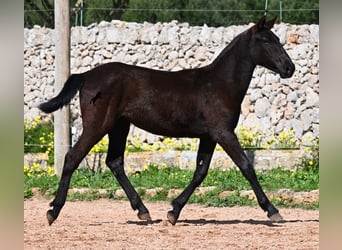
pixel 161 102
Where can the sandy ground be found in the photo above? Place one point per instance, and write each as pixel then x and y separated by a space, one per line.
pixel 109 224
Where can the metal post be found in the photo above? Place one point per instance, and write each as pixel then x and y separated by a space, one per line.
pixel 81 21
pixel 266 8
pixel 281 10
pixel 62 72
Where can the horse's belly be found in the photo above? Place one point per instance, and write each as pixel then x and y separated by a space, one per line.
pixel 170 128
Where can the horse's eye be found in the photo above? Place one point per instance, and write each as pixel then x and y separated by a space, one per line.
pixel 265 41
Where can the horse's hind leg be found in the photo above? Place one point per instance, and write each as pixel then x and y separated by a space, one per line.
pixel 205 152
pixel 71 161
pixel 115 161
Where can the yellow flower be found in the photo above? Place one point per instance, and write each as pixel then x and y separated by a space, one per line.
pixel 129 170
pixel 26 169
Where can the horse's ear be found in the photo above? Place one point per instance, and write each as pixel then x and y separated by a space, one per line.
pixel 270 23
pixel 261 23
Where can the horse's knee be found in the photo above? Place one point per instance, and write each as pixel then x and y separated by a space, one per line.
pixel 116 166
pixel 248 170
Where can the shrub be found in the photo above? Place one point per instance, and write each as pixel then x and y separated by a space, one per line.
pixel 250 138
pixel 310 161
pixel 286 140
pixel 39 137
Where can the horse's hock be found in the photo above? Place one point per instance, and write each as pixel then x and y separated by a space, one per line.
pixel 271 104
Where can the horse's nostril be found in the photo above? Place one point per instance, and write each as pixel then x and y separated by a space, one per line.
pixel 290 70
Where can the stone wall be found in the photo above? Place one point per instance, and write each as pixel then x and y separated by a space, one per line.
pixel 262 160
pixel 271 104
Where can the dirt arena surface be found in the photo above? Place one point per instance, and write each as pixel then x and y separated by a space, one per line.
pixel 109 224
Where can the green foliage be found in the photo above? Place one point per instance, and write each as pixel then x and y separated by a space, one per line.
pixel 300 180
pixel 165 178
pixel 39 12
pixel 286 140
pixel 154 11
pixel 305 178
pixel 254 138
pixel 306 16
pixel 216 16
pixel 98 10
pixel 250 138
pixel 226 180
pixel 289 204
pixel 97 180
pixel 167 144
pixel 39 137
pixel 217 12
pixel 35 176
pixel 310 161
pixel 194 12
pixel 37 171
pixel 213 199
pixel 89 196
pixel 101 146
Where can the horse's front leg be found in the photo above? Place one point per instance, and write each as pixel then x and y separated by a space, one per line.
pixel 231 145
pixel 205 152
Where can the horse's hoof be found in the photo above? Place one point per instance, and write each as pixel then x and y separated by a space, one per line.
pixel 49 217
pixel 276 217
pixel 171 217
pixel 145 216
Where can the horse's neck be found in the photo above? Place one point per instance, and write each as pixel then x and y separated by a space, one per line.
pixel 235 66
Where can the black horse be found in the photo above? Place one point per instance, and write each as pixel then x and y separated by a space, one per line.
pixel 203 103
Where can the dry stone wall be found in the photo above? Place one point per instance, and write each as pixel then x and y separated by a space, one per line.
pixel 271 104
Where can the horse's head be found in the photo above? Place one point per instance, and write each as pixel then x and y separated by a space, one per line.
pixel 267 51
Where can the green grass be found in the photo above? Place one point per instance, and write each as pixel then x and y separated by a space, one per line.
pixel 173 177
pixel 227 180
pixel 212 198
pixel 46 184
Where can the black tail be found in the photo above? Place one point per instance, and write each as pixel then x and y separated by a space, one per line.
pixel 70 88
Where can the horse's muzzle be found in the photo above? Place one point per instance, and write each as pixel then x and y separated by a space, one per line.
pixel 288 69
